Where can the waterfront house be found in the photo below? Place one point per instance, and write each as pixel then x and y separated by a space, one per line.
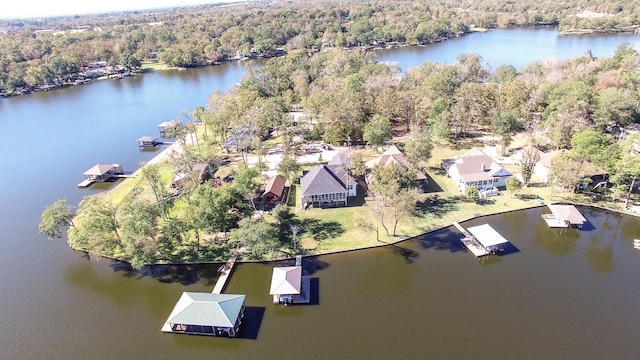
pixel 206 314
pixel 339 166
pixel 542 169
pixel 288 286
pixel 476 168
pixel 394 157
pixel 274 189
pixel 198 171
pixel 170 128
pixel 322 187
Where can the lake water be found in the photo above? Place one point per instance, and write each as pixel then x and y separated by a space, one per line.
pixel 563 294
pixel 516 47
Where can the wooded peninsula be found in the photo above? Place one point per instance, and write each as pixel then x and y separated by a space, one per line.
pixel 558 131
pixel 45 53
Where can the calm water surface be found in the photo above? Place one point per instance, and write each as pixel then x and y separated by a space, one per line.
pixel 516 47
pixel 561 295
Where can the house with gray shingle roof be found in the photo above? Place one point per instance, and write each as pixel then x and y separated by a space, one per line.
pixel 327 186
pixel 476 168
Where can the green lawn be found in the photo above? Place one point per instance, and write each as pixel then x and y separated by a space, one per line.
pixel 342 228
pixel 354 226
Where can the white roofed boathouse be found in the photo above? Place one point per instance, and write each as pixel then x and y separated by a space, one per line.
pixel 564 216
pixel 288 286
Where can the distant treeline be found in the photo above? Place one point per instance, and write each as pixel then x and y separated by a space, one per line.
pixel 35 52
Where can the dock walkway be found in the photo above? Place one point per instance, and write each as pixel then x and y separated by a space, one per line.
pixel 471 243
pixel 224 276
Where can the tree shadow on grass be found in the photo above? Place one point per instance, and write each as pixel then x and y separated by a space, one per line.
pixel 431 186
pixel 321 230
pixel 438 206
pixel 444 240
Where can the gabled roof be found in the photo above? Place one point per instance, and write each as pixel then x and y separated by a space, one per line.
pixel 197 169
pixel 475 165
pixel 172 123
pixel 339 165
pixel 274 186
pixel 567 213
pixel 321 180
pixel 339 159
pixel 546 158
pixel 148 139
pixel 100 169
pixel 286 280
pixel 393 155
pixel 207 309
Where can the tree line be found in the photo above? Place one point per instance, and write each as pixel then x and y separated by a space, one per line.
pixel 40 51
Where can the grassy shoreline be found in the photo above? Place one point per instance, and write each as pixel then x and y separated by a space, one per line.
pixel 339 230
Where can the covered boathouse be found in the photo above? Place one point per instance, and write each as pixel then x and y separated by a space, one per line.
pixel 288 286
pixel 170 128
pixel 148 141
pixel 200 313
pixel 564 216
pixel 489 238
pixel 101 173
pixel 482 240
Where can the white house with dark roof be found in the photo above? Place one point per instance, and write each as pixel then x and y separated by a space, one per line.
pixel 327 186
pixel 476 168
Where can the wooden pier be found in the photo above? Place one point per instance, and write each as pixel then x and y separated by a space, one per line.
pixel 470 242
pixel 225 272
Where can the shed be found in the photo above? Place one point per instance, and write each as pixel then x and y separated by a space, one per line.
pixel 274 188
pixel 206 314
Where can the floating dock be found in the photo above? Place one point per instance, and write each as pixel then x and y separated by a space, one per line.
pixel 225 272
pixel 636 244
pixel 481 240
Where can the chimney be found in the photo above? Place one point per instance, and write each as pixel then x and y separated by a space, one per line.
pixel 483 168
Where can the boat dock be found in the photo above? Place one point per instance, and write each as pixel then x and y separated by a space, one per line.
pixel 225 272
pixel 88 182
pixel 564 216
pixel 481 240
pixel 470 242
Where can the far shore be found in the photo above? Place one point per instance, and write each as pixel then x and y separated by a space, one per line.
pixel 148 66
